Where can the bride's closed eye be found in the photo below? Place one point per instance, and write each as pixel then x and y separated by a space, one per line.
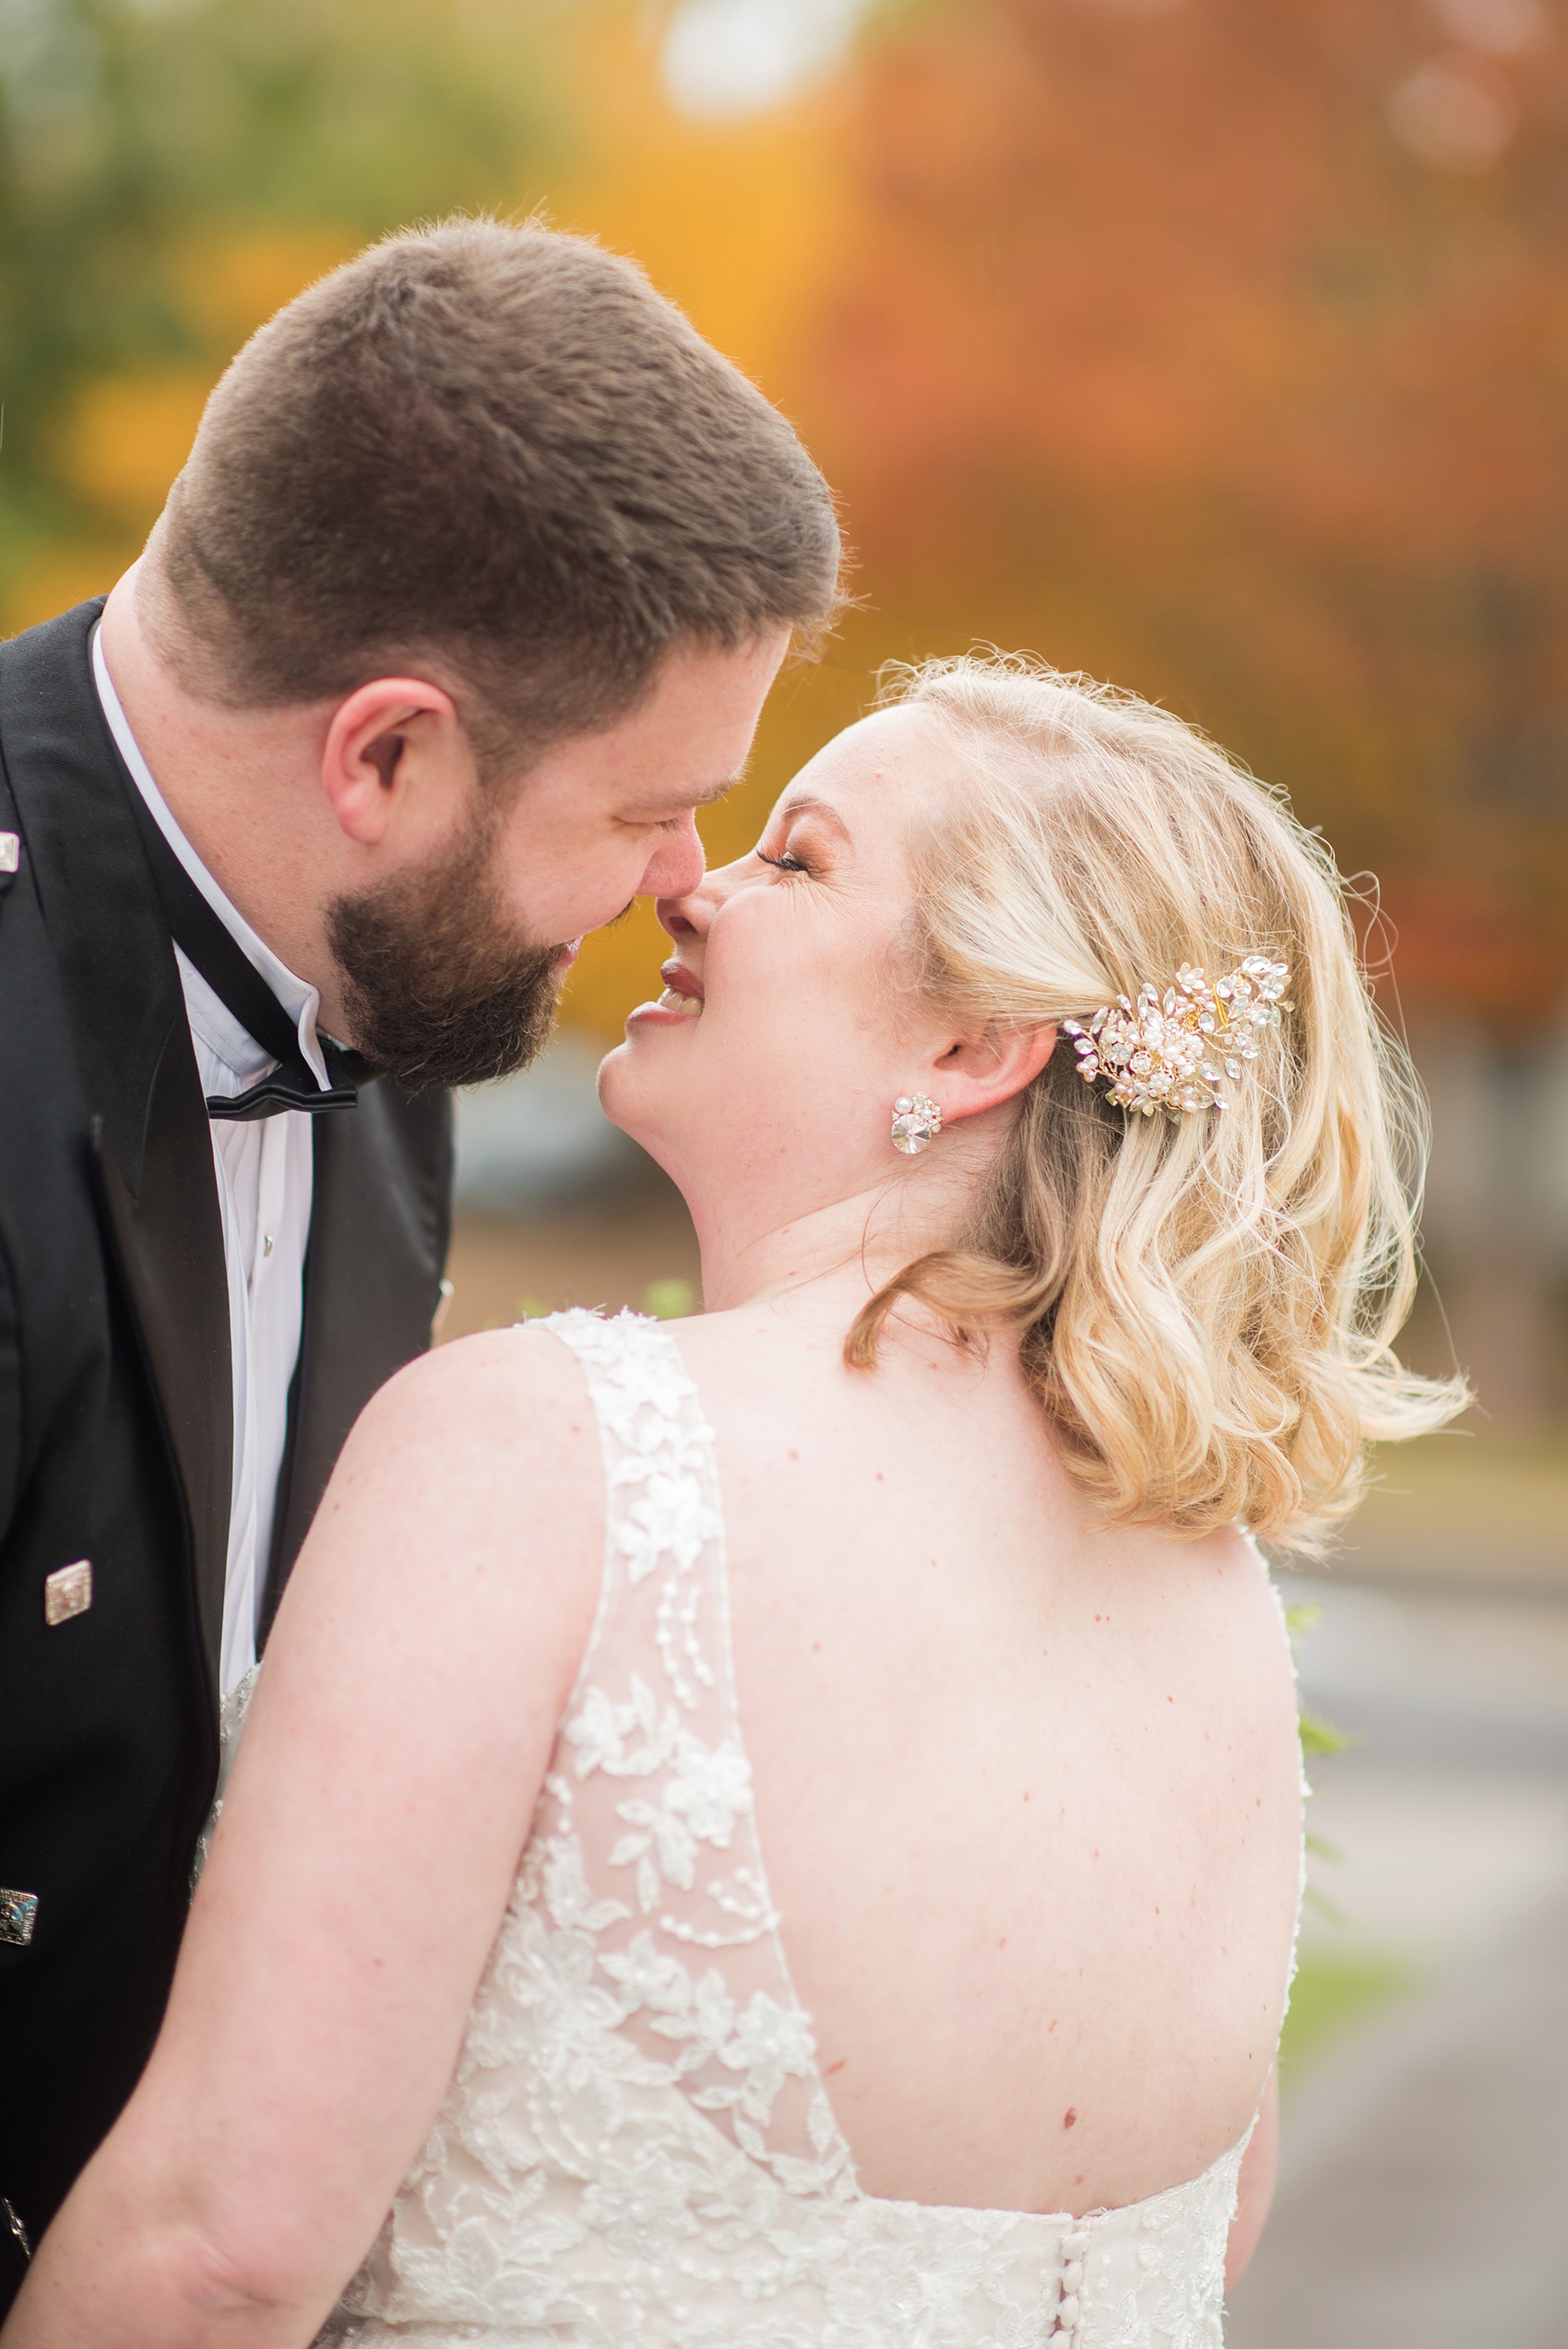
pixel 784 863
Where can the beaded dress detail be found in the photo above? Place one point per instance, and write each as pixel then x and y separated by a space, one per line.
pixel 636 2150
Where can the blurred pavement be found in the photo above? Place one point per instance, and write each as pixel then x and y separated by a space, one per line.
pixel 1422 2201
pixel 539 1138
pixel 1423 2198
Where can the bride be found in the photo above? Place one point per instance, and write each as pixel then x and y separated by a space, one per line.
pixel 783 1831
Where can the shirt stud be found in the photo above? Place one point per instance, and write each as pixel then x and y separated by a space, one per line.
pixel 67 1592
pixel 19 1915
pixel 10 851
pixel 267 1243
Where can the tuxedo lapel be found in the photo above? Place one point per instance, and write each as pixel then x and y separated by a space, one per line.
pixel 150 1132
pixel 168 1238
pixel 380 1223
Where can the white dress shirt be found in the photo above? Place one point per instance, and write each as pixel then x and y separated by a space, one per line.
pixel 265 1175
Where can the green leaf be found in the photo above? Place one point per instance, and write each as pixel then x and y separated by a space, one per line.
pixel 669 1300
pixel 1319 1736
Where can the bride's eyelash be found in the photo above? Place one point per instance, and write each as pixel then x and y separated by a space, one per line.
pixel 785 863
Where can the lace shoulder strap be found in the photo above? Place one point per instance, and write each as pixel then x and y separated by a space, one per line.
pixel 660 1496
pixel 649 1815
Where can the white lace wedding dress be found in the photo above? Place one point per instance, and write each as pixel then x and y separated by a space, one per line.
pixel 636 2150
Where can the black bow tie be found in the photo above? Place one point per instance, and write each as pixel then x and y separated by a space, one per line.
pixel 237 983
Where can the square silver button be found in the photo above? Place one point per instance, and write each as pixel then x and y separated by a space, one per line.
pixel 19 1915
pixel 67 1592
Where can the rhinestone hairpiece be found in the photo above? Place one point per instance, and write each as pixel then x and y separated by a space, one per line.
pixel 1176 1051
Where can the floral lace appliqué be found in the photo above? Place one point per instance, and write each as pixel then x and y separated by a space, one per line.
pixel 636 2150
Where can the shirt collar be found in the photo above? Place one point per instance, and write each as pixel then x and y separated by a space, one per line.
pixel 299 1000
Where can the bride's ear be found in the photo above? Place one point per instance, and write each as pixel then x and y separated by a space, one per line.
pixel 981 1071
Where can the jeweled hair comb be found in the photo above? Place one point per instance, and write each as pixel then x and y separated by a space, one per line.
pixel 1176 1052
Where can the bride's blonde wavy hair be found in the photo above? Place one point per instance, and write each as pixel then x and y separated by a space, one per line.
pixel 1207 1304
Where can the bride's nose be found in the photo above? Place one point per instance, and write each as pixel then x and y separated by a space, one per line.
pixel 691 915
pixel 686 916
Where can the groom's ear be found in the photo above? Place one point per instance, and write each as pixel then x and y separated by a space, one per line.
pixel 390 744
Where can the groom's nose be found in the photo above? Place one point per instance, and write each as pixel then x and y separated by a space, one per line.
pixel 677 864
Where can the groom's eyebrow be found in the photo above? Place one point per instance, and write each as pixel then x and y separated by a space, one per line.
pixel 705 795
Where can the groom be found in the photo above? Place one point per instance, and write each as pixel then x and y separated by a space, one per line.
pixel 471 591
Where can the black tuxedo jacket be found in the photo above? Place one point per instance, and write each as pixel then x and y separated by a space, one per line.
pixel 116 1412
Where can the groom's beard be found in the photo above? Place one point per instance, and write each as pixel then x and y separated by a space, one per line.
pixel 439 986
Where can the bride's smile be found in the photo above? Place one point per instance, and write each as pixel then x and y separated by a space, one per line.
pixel 682 996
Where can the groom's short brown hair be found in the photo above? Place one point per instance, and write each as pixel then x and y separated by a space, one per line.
pixel 495 451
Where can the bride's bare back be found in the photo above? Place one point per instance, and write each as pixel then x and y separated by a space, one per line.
pixel 1027 1787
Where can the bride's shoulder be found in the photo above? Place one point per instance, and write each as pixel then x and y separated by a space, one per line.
pixel 498 1426
pixel 729 1339
pixel 494 1370
pixel 745 1360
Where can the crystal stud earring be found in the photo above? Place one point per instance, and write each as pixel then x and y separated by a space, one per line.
pixel 917 1120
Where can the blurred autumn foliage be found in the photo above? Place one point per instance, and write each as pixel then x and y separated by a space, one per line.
pixel 171 171
pixel 1153 343
pixel 1219 346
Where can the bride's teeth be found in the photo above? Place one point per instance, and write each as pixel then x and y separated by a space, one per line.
pixel 689 1006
